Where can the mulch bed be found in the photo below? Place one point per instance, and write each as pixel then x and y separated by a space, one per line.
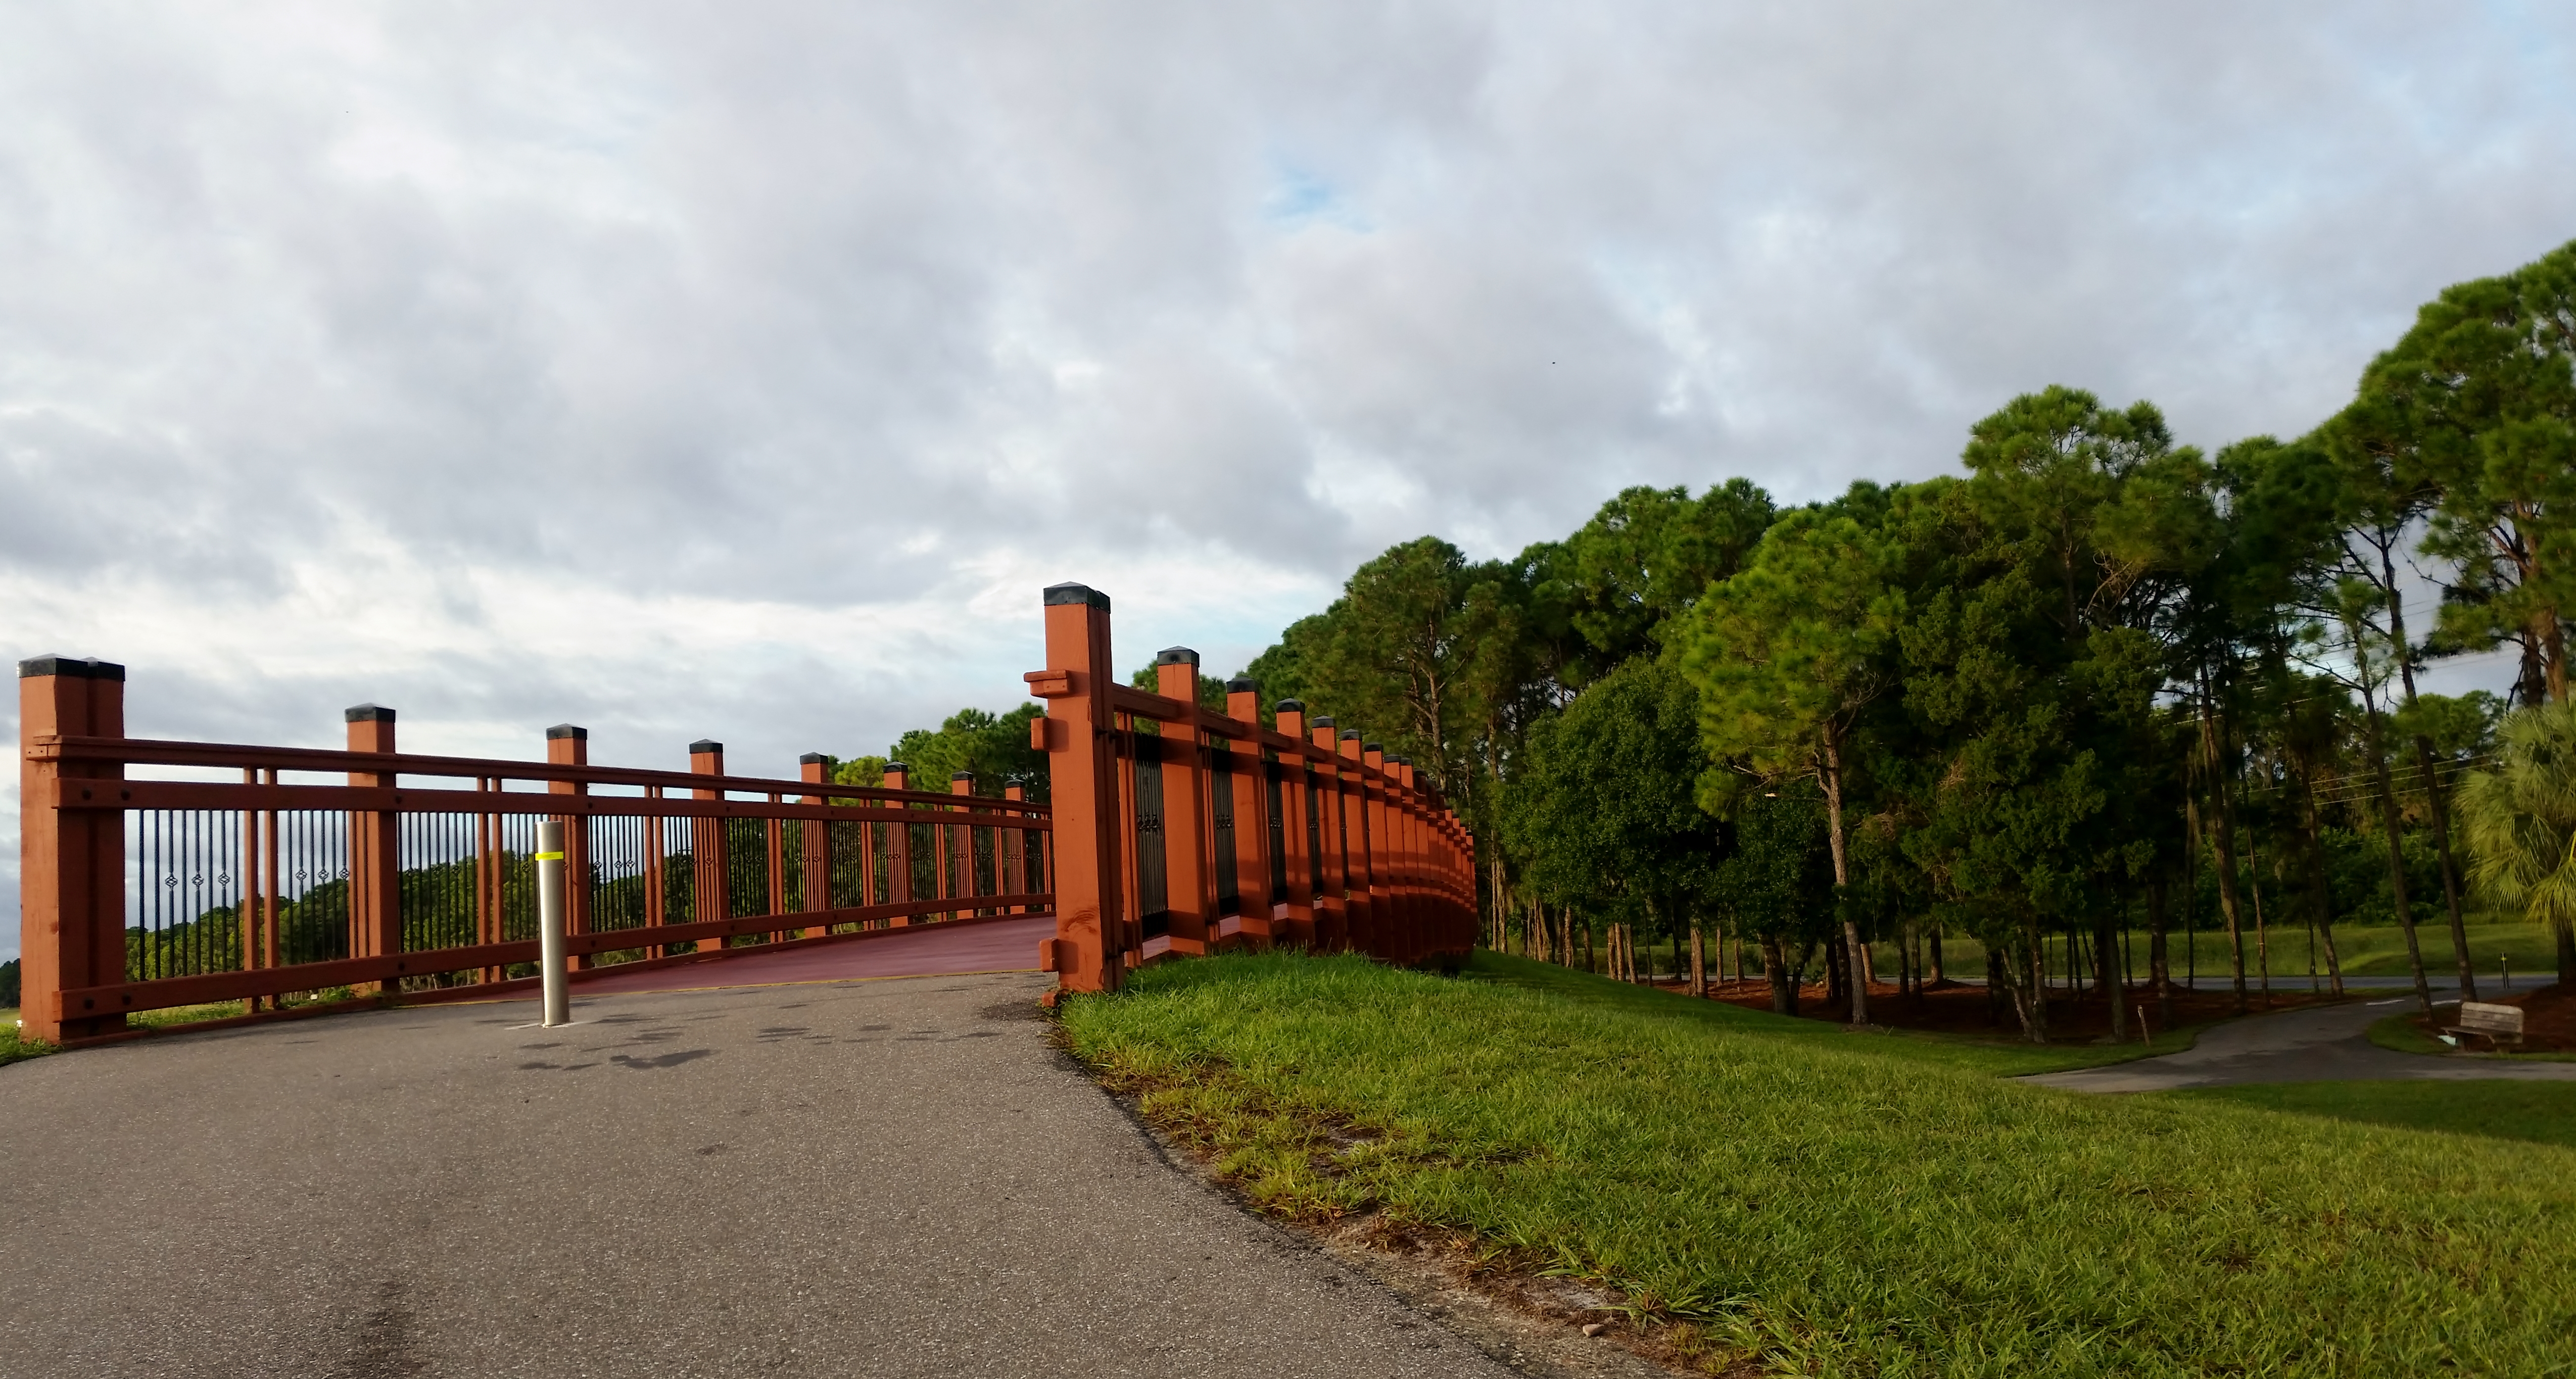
pixel 1953 1008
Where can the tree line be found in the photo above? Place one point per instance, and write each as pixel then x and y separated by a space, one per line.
pixel 2095 677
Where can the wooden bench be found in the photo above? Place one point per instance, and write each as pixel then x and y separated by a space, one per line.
pixel 2498 1025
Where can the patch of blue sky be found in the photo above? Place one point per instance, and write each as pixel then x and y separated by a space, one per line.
pixel 1298 198
pixel 2507 45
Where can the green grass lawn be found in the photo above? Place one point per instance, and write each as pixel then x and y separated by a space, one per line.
pixel 1999 1055
pixel 12 1048
pixel 2536 1112
pixel 1850 1204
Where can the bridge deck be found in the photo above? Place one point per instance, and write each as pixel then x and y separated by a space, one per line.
pixel 891 1178
pixel 993 945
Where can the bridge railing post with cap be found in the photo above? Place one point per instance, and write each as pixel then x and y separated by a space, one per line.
pixel 71 863
pixel 960 846
pixel 709 896
pixel 1011 869
pixel 898 847
pixel 1333 907
pixel 814 848
pixel 1190 895
pixel 1296 853
pixel 375 863
pixel 1361 904
pixel 1087 953
pixel 1399 865
pixel 1250 783
pixel 1418 883
pixel 1385 925
pixel 569 745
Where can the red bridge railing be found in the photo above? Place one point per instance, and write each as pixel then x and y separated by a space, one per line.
pixel 234 874
pixel 1179 829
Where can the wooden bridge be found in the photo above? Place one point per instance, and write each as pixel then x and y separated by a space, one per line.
pixel 162 876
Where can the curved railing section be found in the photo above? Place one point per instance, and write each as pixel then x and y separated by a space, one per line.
pixel 1180 830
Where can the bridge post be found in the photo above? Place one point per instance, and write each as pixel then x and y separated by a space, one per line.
pixel 1011 853
pixel 898 847
pixel 1421 874
pixel 71 863
pixel 1190 893
pixel 1251 781
pixel 567 745
pixel 1296 848
pixel 375 867
pixel 1406 877
pixel 814 853
pixel 709 897
pixel 1333 908
pixel 958 847
pixel 1088 951
pixel 1385 920
pixel 1367 915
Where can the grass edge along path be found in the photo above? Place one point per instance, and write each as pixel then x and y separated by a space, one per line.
pixel 1845 1204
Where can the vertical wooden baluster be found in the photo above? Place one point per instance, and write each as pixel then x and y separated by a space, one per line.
pixel 777 845
pixel 656 898
pixel 1017 881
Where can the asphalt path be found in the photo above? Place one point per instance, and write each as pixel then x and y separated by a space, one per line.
pixel 2315 1044
pixel 892 1177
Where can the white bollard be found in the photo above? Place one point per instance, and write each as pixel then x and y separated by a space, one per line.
pixel 550 922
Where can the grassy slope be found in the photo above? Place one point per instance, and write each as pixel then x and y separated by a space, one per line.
pixel 1852 1204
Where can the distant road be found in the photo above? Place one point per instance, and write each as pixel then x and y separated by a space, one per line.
pixel 2317 1044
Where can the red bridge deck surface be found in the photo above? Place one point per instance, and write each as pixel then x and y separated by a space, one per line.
pixel 1003 945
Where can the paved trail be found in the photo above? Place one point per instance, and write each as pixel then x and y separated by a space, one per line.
pixel 2323 1044
pixel 892 1178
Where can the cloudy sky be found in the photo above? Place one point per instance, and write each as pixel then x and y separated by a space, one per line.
pixel 744 370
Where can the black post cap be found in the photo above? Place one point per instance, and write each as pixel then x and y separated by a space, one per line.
pixel 1350 734
pixel 1076 593
pixel 1398 761
pixel 1322 721
pixel 1290 706
pixel 705 745
pixel 961 775
pixel 1176 655
pixel 1371 746
pixel 898 766
pixel 70 668
pixel 378 713
pixel 812 758
pixel 1243 684
pixel 560 730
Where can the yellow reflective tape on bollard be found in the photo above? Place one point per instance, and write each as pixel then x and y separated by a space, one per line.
pixel 549 856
